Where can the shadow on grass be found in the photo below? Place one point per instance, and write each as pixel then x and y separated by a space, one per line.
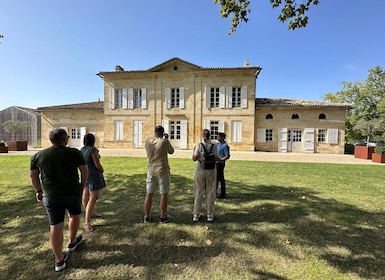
pixel 347 238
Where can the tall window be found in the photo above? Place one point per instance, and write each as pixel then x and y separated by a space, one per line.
pixel 296 135
pixel 75 133
pixel 118 130
pixel 269 135
pixel 321 135
pixel 175 129
pixel 175 98
pixel 214 129
pixel 236 97
pixel 119 98
pixel 137 98
pixel 214 97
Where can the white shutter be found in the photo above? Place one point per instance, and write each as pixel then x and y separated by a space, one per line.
pixel 221 126
pixel 229 96
pixel 130 98
pixel 333 136
pixel 236 131
pixel 168 97
pixel 144 98
pixel 112 98
pixel 261 135
pixel 83 132
pixel 244 97
pixel 183 134
pixel 165 124
pixel 222 97
pixel 138 134
pixel 208 96
pixel 181 97
pixel 124 98
pixel 309 140
pixel 282 140
pixel 207 124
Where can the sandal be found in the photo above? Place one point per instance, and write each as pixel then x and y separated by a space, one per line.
pixel 96 216
pixel 88 228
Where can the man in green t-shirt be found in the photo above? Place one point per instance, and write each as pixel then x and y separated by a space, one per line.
pixel 55 178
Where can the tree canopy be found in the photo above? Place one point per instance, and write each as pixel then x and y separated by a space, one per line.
pixel 290 11
pixel 368 100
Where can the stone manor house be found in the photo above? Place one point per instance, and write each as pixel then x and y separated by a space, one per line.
pixel 186 98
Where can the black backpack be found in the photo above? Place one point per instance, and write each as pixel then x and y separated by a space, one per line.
pixel 208 160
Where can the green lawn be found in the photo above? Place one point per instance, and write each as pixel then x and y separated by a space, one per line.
pixel 280 221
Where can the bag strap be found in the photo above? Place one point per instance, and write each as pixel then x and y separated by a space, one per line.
pixel 207 153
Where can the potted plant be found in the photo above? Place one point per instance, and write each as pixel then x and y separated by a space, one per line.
pixel 3 147
pixel 368 129
pixel 15 128
pixel 379 154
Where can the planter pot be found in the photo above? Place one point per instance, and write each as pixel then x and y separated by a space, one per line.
pixel 17 145
pixel 3 149
pixel 363 152
pixel 380 158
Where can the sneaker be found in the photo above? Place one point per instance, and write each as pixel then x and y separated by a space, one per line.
pixel 196 218
pixel 61 265
pixel 147 220
pixel 165 219
pixel 72 247
pixel 210 218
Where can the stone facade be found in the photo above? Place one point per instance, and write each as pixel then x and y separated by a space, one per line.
pixel 185 99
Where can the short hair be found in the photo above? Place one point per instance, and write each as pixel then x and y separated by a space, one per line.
pixel 222 134
pixel 206 134
pixel 58 136
pixel 89 139
pixel 159 129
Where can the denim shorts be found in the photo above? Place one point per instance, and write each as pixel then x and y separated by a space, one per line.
pixel 56 207
pixel 158 181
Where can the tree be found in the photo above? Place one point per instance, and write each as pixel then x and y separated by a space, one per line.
pixel 14 127
pixel 369 128
pixel 290 11
pixel 368 100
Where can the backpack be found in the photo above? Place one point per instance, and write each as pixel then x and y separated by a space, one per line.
pixel 208 160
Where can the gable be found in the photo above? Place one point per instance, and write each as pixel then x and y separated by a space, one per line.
pixel 175 64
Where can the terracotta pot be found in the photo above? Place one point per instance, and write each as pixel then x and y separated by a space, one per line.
pixel 3 149
pixel 363 152
pixel 380 158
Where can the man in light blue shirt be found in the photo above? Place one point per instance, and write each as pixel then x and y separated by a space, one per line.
pixel 223 155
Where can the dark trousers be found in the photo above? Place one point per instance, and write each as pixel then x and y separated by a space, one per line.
pixel 221 179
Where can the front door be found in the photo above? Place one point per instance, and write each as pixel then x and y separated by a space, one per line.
pixel 296 140
pixel 76 137
pixel 177 130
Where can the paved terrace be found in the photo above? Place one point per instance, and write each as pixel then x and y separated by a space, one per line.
pixel 257 156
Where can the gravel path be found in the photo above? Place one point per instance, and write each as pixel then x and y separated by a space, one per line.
pixel 258 156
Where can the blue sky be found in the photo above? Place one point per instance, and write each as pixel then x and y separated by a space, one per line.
pixel 52 50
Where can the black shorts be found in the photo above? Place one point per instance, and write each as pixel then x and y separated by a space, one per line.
pixel 56 207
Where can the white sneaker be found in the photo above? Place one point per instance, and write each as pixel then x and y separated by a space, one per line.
pixel 196 218
pixel 210 217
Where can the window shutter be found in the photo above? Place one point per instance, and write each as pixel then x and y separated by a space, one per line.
pixel 183 134
pixel 124 98
pixel 236 131
pixel 130 98
pixel 112 98
pixel 221 126
pixel 332 136
pixel 207 124
pixel 144 98
pixel 181 99
pixel 229 96
pixel 222 97
pixel 168 97
pixel 165 124
pixel 208 96
pixel 261 134
pixel 244 97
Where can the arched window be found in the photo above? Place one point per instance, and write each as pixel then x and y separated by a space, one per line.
pixel 269 117
pixel 322 117
pixel 294 117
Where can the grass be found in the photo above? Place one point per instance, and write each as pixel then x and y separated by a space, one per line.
pixel 280 221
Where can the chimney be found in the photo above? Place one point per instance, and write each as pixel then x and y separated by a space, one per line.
pixel 118 68
pixel 246 63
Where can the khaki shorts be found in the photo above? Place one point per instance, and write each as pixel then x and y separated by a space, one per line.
pixel 154 182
